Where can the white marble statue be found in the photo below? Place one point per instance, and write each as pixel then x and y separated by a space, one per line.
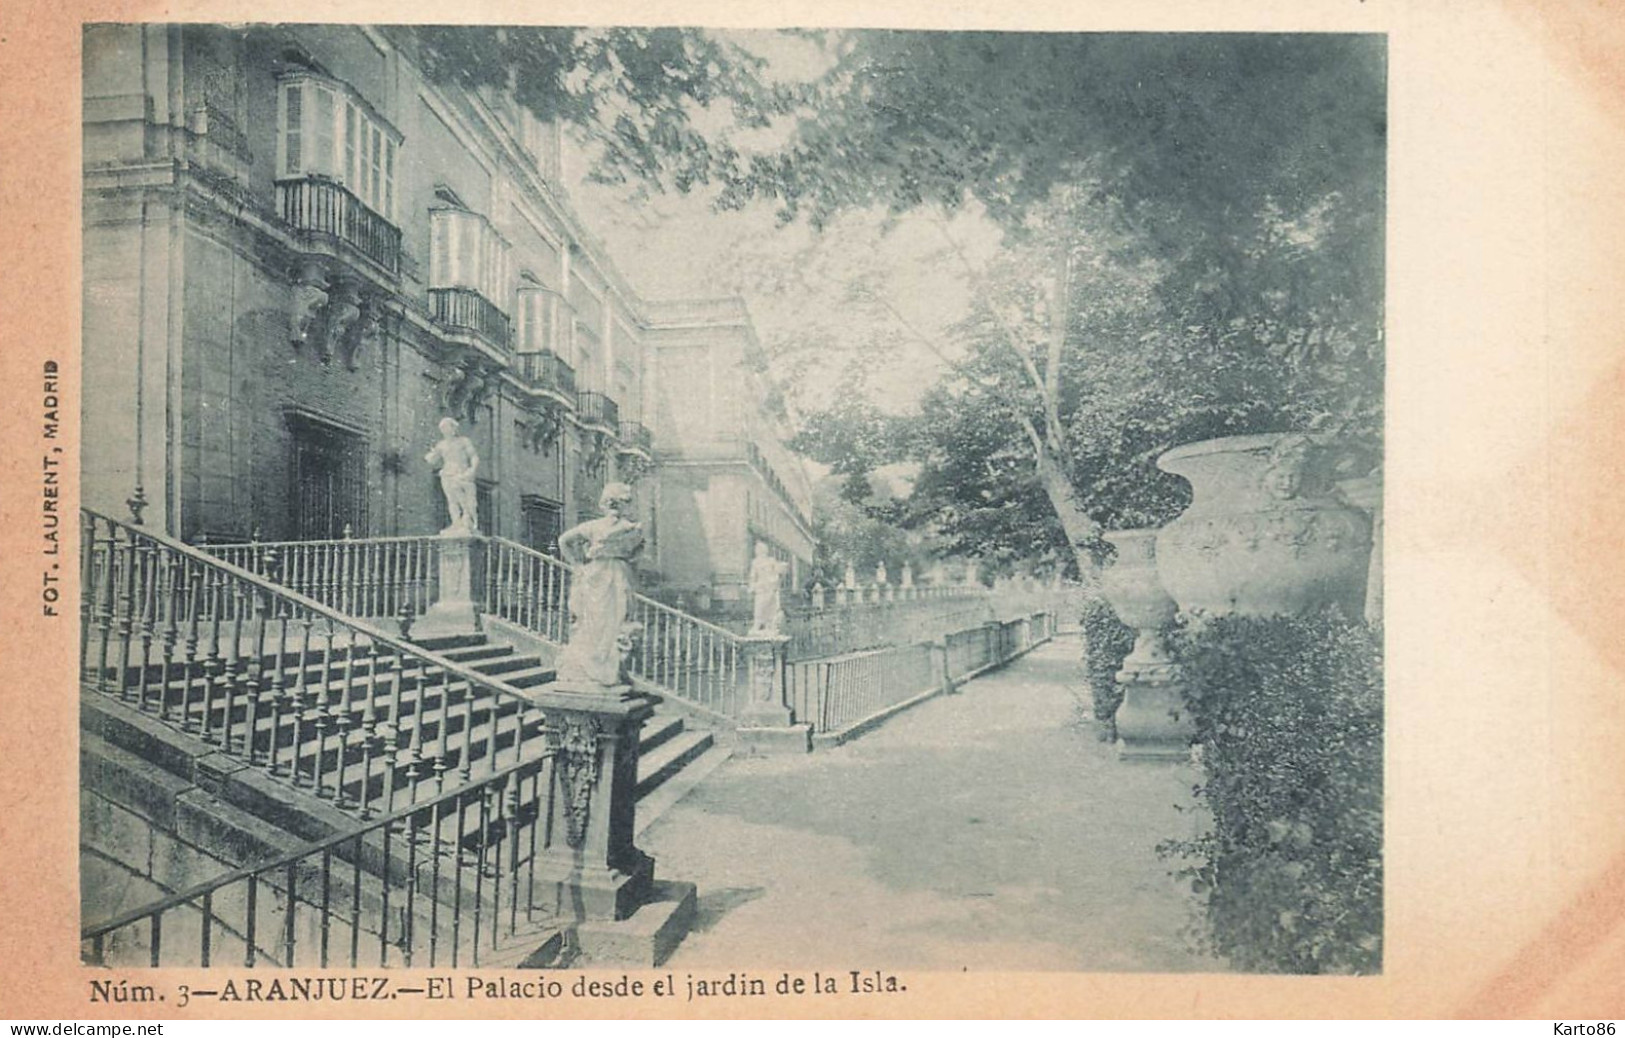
pixel 457 461
pixel 908 575
pixel 601 636
pixel 766 578
pixel 880 574
pixel 850 580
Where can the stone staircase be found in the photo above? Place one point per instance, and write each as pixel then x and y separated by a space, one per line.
pixel 241 737
pixel 674 753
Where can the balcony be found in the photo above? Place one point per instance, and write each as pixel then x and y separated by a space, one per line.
pixel 634 436
pixel 463 309
pixel 324 212
pixel 598 409
pixel 546 370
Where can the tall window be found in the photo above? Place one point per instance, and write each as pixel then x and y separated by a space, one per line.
pixel 465 251
pixel 326 129
pixel 543 522
pixel 329 472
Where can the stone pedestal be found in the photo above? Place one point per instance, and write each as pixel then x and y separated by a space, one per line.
pixel 766 722
pixel 1152 722
pixel 590 869
pixel 454 610
pixel 764 667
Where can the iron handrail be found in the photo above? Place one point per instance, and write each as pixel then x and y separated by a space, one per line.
pixel 293 857
pixel 359 626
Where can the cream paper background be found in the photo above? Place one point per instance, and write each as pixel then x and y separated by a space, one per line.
pixel 1505 535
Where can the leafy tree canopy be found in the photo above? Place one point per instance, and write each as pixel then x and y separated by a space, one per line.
pixel 640 95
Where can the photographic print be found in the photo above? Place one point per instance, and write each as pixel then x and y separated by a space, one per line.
pixel 736 501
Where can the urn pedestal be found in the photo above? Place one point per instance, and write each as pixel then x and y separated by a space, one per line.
pixel 1152 723
pixel 1266 533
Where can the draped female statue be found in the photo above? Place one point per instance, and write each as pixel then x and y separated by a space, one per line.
pixel 602 551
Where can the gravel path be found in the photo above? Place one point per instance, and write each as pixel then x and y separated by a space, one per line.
pixel 988 830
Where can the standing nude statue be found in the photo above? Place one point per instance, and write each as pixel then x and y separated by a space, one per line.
pixel 457 460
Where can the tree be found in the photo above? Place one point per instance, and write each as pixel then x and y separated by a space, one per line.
pixel 655 104
pixel 1197 217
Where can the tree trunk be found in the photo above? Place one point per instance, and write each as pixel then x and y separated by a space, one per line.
pixel 1075 522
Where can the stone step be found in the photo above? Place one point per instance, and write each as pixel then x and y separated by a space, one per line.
pixel 668 759
pixel 659 729
pixel 475 654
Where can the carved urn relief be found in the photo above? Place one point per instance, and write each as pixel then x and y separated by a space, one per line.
pixel 1266 533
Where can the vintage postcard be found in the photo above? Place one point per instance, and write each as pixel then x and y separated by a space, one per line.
pixel 821 511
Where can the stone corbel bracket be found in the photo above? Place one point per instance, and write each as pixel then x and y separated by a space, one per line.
pixel 542 429
pixel 470 382
pixel 594 452
pixel 309 303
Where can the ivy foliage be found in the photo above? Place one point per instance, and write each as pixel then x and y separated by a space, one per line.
pixel 1289 713
pixel 1107 641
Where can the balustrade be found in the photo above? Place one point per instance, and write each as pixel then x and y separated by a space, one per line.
pixel 547 370
pixel 325 701
pixel 314 205
pixel 836 693
pixel 466 309
pixel 598 409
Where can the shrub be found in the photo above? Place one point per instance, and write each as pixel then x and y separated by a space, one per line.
pixel 1289 715
pixel 1106 642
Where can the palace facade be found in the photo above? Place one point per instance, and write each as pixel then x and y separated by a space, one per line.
pixel 301 253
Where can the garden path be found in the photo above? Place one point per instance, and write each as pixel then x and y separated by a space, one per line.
pixel 986 830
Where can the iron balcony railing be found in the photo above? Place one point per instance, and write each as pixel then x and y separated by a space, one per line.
pixel 322 700
pixel 463 309
pixel 598 409
pixel 635 435
pixel 440 883
pixel 547 370
pixel 316 206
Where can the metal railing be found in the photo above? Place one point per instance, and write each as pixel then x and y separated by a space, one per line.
pixel 547 370
pixel 323 701
pixel 313 204
pixel 466 309
pixel 916 615
pixel 678 654
pixel 395 577
pixel 436 883
pixel 838 692
pixel 635 434
pixel 598 409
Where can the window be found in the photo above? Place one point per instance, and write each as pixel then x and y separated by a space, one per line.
pixel 329 473
pixel 465 251
pixel 536 308
pixel 543 522
pixel 325 129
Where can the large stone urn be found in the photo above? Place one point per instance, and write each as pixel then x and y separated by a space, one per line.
pixel 1266 533
pixel 1152 723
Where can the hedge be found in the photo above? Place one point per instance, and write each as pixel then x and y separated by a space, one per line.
pixel 1290 717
